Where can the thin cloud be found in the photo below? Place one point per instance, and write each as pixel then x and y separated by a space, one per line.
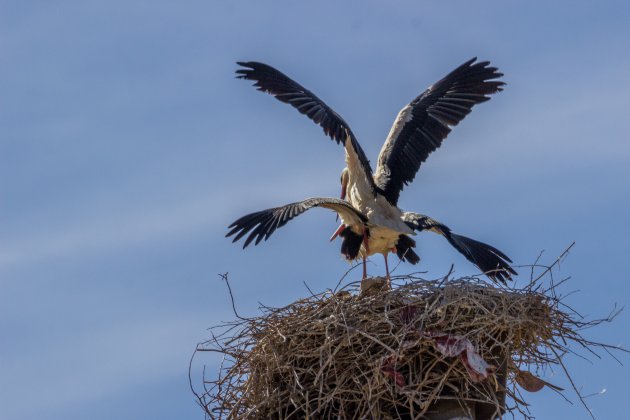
pixel 95 365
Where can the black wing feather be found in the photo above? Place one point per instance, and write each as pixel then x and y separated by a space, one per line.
pixel 270 80
pixel 422 125
pixel 489 259
pixel 494 263
pixel 262 224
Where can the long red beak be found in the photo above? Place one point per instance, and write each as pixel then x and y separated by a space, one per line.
pixel 337 232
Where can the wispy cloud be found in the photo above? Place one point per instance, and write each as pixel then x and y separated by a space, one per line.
pixel 94 365
pixel 114 228
pixel 106 231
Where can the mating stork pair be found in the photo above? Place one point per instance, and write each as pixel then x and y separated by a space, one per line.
pixel 371 222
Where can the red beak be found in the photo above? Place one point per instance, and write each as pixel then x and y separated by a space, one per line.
pixel 337 232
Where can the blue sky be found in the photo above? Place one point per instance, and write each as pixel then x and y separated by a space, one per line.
pixel 127 147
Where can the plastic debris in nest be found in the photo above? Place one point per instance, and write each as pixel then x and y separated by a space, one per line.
pixel 457 345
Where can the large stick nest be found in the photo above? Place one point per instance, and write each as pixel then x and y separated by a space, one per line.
pixel 373 354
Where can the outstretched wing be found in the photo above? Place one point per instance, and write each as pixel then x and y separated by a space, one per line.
pixel 270 80
pixel 421 126
pixel 494 263
pixel 263 224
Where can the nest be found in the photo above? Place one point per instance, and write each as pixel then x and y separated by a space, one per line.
pixel 392 353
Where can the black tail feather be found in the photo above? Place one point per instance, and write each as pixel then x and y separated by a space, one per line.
pixel 404 250
pixel 351 244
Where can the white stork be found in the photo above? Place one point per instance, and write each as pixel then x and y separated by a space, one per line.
pixel 418 130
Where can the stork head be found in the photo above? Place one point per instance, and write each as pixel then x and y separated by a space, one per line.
pixel 345 175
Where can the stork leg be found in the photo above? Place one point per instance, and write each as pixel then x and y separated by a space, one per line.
pixel 389 281
pixel 367 250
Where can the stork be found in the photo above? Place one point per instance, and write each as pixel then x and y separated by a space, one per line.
pixel 418 130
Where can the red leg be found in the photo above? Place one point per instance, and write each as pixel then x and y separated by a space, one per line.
pixel 367 250
pixel 386 266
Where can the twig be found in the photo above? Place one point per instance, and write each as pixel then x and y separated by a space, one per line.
pixel 224 276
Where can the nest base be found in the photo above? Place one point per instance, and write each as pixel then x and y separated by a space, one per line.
pixel 423 350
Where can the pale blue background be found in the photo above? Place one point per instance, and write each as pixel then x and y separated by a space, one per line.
pixel 127 147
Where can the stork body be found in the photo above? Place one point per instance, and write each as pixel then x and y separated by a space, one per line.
pixel 358 191
pixel 418 130
pixel 385 219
